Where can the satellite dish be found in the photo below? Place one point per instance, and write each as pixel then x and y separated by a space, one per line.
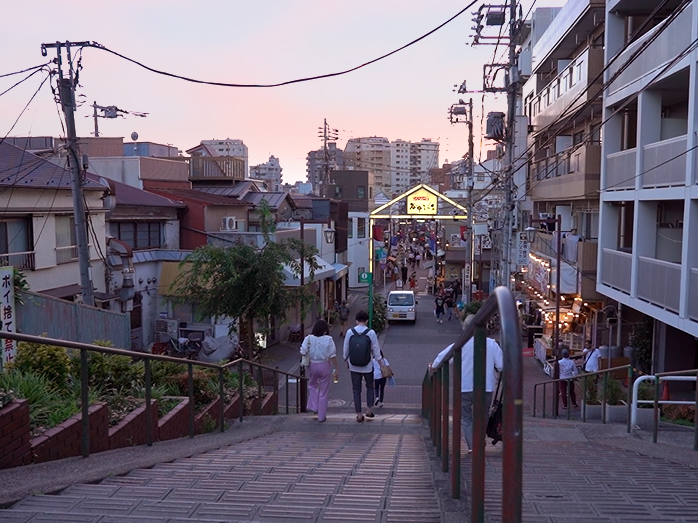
pixel 134 136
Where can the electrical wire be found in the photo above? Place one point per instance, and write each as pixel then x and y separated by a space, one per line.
pixel 25 107
pixel 25 70
pixel 21 81
pixel 289 82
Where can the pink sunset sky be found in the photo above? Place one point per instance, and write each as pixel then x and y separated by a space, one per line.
pixel 405 96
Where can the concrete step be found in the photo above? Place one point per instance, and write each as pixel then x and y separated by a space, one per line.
pixel 291 476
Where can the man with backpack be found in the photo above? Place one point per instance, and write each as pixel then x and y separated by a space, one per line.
pixel 343 313
pixel 360 348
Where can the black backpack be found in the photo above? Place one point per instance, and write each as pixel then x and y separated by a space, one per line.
pixel 360 348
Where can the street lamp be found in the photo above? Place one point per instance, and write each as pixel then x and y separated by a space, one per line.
pixel 329 235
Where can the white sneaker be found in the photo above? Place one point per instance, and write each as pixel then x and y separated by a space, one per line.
pixel 380 403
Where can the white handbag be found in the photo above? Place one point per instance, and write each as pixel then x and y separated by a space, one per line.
pixel 305 358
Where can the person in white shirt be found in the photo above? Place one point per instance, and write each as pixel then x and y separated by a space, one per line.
pixel 591 357
pixel 323 353
pixel 364 373
pixel 568 369
pixel 494 360
pixel 379 380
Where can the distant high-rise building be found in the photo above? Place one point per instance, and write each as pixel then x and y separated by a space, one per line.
pixel 269 172
pixel 229 147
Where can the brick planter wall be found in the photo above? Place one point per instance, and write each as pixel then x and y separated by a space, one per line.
pixel 15 447
pixel 175 424
pixel 212 410
pixel 131 430
pixel 232 409
pixel 64 440
pixel 269 404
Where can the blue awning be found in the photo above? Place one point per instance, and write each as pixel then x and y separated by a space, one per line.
pixel 339 270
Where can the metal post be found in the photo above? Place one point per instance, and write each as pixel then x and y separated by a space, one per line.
pixel 190 373
pixel 148 413
pixel 221 391
pixel 457 406
pixel 439 414
pixel 445 418
pixel 84 386
pixel 94 114
pixel 477 512
pixel 655 418
pixel 303 390
pixel 370 273
pixel 558 260
pixel 241 379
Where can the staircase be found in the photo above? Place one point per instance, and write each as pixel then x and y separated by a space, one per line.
pixel 338 471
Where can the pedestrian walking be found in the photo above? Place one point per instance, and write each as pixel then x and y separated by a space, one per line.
pixel 343 315
pixel 495 360
pixel 448 302
pixel 360 349
pixel 381 373
pixel 404 272
pixel 417 259
pixel 439 304
pixel 323 358
pixel 568 369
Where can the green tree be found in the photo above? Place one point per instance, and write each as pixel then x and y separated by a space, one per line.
pixel 245 282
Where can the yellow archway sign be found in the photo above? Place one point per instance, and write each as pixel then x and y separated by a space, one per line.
pixel 422 202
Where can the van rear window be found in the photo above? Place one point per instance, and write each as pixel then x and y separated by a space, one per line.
pixel 397 300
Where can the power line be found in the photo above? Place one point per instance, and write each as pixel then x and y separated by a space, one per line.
pixel 280 84
pixel 25 70
pixel 25 107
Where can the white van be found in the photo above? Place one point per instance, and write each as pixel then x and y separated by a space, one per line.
pixel 401 306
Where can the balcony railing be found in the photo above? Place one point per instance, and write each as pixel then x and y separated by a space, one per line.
pixel 66 254
pixel 661 282
pixel 668 44
pixel 23 261
pixel 227 167
pixel 571 85
pixel 665 162
pixel 616 269
pixel 579 166
pixel 693 295
pixel 620 170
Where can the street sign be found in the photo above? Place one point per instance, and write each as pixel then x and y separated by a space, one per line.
pixel 522 248
pixel 383 266
pixel 364 277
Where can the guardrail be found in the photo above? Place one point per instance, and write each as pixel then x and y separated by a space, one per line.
pixel 686 375
pixel 301 381
pixel 436 387
pixel 584 378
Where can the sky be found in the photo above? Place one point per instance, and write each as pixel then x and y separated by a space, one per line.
pixel 405 96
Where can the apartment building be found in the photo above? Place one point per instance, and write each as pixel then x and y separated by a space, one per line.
pixel 411 163
pixel 648 254
pixel 562 101
pixel 371 154
pixel 269 172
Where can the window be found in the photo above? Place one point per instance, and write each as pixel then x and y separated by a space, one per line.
pixel 338 192
pixel 139 235
pixel 350 229
pixel 361 228
pixel 361 192
pixel 66 243
pixel 15 238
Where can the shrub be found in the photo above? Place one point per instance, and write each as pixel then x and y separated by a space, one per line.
pixel 686 413
pixel 379 318
pixel 47 360
pixel 614 392
pixel 111 372
pixel 36 389
pixel 205 389
pixel 645 391
pixel 6 397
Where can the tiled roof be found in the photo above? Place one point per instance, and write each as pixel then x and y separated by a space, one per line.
pixel 274 199
pixel 127 195
pixel 19 168
pixel 193 194
pixel 240 188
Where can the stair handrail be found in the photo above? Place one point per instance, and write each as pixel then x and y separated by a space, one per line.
pixel 301 381
pixel 436 393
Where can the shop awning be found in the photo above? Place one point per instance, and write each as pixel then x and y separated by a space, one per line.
pixel 324 270
pixel 339 270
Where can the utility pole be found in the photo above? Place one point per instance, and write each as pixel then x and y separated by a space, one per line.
pixel 326 135
pixel 471 185
pixel 66 90
pixel 512 91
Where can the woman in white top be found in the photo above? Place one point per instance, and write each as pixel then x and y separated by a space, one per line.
pixel 323 352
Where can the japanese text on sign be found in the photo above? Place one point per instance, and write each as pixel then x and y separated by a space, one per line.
pixel 9 347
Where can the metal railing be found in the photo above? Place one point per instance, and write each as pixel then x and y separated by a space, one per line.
pixel 435 407
pixel 686 375
pixel 604 374
pixel 239 364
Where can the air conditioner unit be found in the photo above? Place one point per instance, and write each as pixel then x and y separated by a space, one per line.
pixel 229 223
pixel 165 328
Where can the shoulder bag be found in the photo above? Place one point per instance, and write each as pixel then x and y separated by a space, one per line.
pixel 305 358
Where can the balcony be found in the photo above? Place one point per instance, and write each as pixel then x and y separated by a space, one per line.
pixel 569 86
pixel 616 269
pixel 216 168
pixel 665 163
pixel 661 283
pixel 620 170
pixel 668 44
pixel 693 295
pixel 570 174
pixel 66 254
pixel 24 261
